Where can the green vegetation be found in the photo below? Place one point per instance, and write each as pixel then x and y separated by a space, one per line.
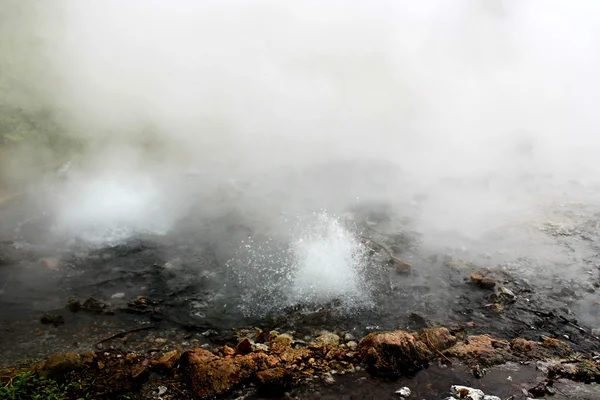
pixel 27 386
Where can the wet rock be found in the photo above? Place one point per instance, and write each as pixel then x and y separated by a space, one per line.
pixel 280 343
pixel 273 382
pixel 348 337
pixel 168 361
pixel 260 336
pixel 160 341
pixel 483 281
pixel 393 353
pixel 88 357
pixel 478 372
pixel 401 267
pixel 228 351
pixel 496 307
pixel 244 347
pixel 208 375
pixel 73 304
pixel 468 393
pixel 58 365
pixel 437 338
pixel 326 341
pixel 587 371
pixel 485 349
pixel 504 295
pixel 352 345
pixel 417 322
pixel 51 318
pixel 403 392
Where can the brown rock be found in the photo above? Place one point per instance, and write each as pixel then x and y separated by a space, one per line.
pixel 280 343
pixel 244 347
pixel 483 281
pixel 273 382
pixel 437 338
pixel 168 361
pixel 558 348
pixel 402 267
pixel 393 353
pixel 496 307
pixel 208 375
pixel 326 342
pixel 88 357
pixel 485 349
pixel 260 336
pixel 228 351
pixel 58 365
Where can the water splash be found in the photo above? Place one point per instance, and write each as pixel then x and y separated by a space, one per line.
pixel 320 262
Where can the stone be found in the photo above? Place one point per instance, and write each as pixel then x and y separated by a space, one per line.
pixel 273 382
pixel 88 357
pixel 348 337
pixel 160 341
pixel 326 341
pixel 208 375
pixel 437 338
pixel 228 351
pixel 401 267
pixel 167 361
pixel 352 345
pixel 403 392
pixel 468 393
pixel 51 318
pixel 280 343
pixel 393 353
pixel 496 307
pixel 244 347
pixel 94 305
pixel 483 281
pixel 58 365
pixel 487 350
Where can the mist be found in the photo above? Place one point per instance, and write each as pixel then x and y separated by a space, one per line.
pixel 463 116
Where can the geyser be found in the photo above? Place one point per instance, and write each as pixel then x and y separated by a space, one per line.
pixel 318 260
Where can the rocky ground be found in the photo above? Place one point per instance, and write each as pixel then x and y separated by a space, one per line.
pixel 261 364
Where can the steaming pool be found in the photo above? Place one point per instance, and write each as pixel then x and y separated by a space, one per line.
pixel 362 268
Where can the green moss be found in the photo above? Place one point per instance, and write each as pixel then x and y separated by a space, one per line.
pixel 28 386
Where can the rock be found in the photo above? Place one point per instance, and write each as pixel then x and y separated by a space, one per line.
pixel 244 347
pixel 51 318
pixel 94 305
pixel 228 351
pixel 168 361
pixel 161 390
pixel 280 343
pixel 393 353
pixel 88 357
pixel 540 350
pixel 352 345
pixel 160 341
pixel 437 338
pixel 401 267
pixel 504 295
pixel 58 365
pixel 326 341
pixel 273 382
pixel 496 307
pixel 403 392
pixel 468 393
pixel 73 304
pixel 485 349
pixel 348 337
pixel 484 282
pixel 208 375
pixel 260 336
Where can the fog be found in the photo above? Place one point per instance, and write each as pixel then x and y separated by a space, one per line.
pixel 467 115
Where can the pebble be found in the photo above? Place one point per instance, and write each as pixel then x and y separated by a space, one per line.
pixel 403 392
pixel 348 337
pixel 162 390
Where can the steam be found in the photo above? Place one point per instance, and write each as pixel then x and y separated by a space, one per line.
pixel 480 114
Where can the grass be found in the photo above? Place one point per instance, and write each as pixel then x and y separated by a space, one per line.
pixel 27 386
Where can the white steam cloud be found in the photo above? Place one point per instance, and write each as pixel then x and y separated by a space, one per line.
pixel 487 108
